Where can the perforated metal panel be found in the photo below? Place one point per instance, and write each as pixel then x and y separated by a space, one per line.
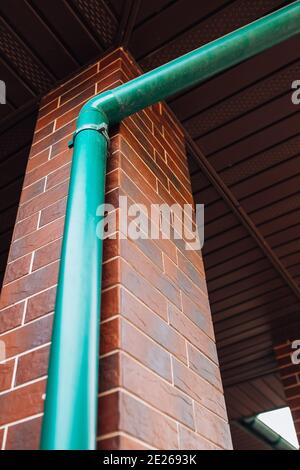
pixel 241 103
pixel 100 18
pixel 23 62
pixel 277 209
pixel 262 161
pixel 235 15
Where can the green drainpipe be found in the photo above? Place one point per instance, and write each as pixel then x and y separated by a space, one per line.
pixel 271 437
pixel 70 417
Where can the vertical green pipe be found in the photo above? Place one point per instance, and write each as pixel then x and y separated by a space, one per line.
pixel 71 399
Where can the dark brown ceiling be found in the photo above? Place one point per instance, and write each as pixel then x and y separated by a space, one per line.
pixel 244 159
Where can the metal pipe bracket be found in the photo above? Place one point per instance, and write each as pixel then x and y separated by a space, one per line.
pixel 101 128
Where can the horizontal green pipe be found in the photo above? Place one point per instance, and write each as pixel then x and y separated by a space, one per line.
pixel 71 400
pixel 198 65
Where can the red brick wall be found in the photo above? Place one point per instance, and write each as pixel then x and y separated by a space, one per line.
pixel 290 377
pixel 160 384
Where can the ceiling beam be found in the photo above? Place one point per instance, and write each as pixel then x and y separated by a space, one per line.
pixel 33 8
pixel 127 23
pixel 240 213
pixel 87 30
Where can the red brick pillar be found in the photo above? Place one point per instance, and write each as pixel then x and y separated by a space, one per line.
pixel 160 384
pixel 290 378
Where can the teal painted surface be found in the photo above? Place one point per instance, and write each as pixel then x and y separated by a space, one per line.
pixel 71 404
pixel 199 65
pixel 71 401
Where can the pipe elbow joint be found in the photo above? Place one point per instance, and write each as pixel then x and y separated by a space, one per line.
pixel 97 114
pixel 100 109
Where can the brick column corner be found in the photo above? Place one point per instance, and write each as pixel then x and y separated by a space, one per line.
pixel 160 384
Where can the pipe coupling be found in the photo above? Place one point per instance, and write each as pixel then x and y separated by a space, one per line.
pixel 101 128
